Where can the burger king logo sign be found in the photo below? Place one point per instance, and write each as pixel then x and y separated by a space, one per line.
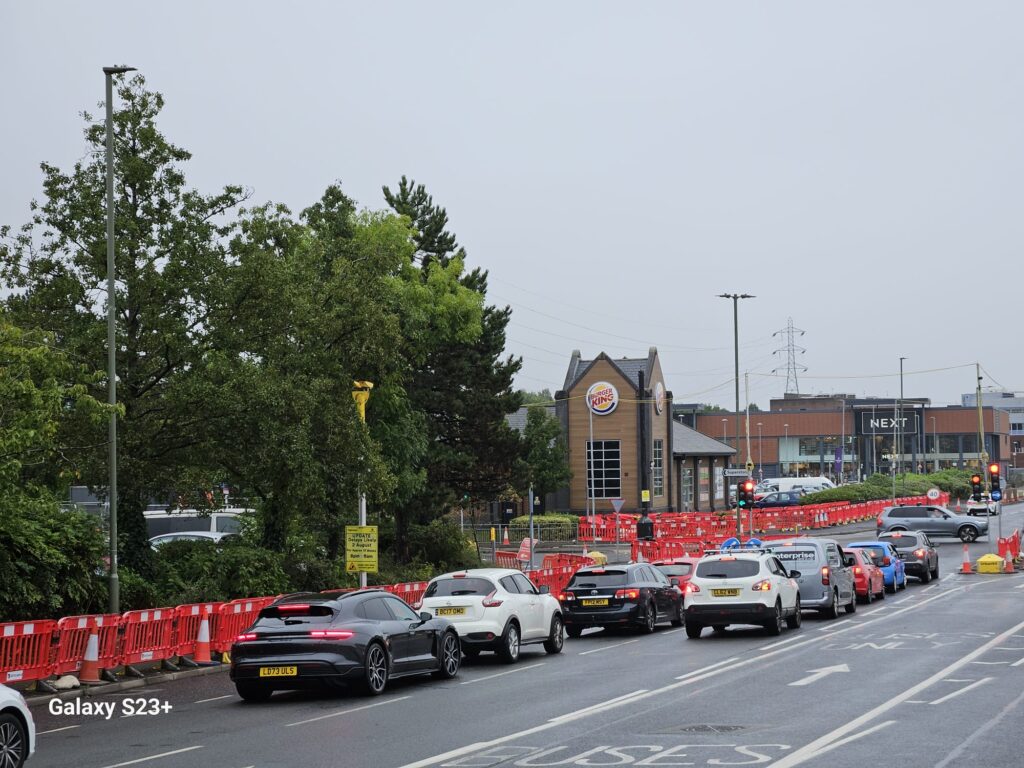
pixel 659 398
pixel 602 398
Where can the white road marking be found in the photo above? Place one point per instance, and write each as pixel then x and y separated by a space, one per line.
pixel 956 753
pixel 54 730
pixel 709 666
pixel 874 610
pixel 954 694
pixel 606 647
pixel 854 737
pixel 154 757
pixel 501 674
pixel 597 707
pixel 990 663
pixel 215 698
pixel 673 631
pixel 818 674
pixel 787 641
pixel 828 628
pixel 916 701
pixel 1017 663
pixel 807 752
pixel 346 711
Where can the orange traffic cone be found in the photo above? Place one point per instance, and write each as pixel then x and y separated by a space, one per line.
pixel 959 508
pixel 202 652
pixel 1008 564
pixel 966 567
pixel 504 538
pixel 90 671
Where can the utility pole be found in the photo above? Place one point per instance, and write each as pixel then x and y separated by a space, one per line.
pixel 736 360
pixel 361 393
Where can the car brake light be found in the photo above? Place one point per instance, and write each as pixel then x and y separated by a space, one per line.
pixel 332 634
pixel 245 638
pixel 566 597
pixel 919 552
pixel 765 585
pixel 825 575
pixel 886 561
pixel 490 602
pixel 691 588
pixel 458 575
pixel 858 570
pixel 878 522
pixel 292 608
pixel 628 594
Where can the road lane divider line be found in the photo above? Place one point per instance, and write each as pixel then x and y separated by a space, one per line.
pixel 596 707
pixel 810 750
pixel 606 647
pixel 829 627
pixel 787 641
pixel 854 737
pixel 709 666
pixel 215 698
pixel 956 754
pixel 341 712
pixel 55 730
pixel 154 757
pixel 875 610
pixel 501 674
pixel 990 663
pixel 965 689
pixel 1018 663
pixel 673 631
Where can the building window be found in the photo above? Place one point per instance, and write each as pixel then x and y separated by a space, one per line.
pixel 604 469
pixel 809 447
pixel 1017 426
pixel 658 472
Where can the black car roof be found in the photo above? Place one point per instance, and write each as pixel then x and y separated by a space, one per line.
pixel 319 598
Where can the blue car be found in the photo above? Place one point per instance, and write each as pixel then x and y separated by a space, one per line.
pixel 884 555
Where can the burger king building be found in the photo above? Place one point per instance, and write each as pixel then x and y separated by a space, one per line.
pixel 622 442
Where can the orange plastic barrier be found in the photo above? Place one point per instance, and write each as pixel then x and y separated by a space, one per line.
pixel 25 650
pixel 411 592
pixel 148 635
pixel 233 619
pixel 74 636
pixel 189 617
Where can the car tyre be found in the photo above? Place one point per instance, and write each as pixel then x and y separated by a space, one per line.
pixel 774 626
pixel 881 592
pixel 556 638
pixel 693 630
pixel 833 610
pixel 13 741
pixel 926 577
pixel 851 607
pixel 935 571
pixel 375 672
pixel 450 657
pixel 967 533
pixel 508 651
pixel 794 621
pixel 650 619
pixel 574 632
pixel 869 597
pixel 677 617
pixel 252 691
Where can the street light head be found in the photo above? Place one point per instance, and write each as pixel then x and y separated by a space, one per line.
pixel 118 70
pixel 746 296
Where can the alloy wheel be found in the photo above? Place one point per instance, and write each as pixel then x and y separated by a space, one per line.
pixel 12 743
pixel 376 668
pixel 450 655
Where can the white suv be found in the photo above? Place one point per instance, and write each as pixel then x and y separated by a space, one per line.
pixel 741 586
pixel 17 731
pixel 496 609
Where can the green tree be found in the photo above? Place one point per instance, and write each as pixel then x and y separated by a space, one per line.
pixel 464 388
pixel 544 397
pixel 545 453
pixel 170 271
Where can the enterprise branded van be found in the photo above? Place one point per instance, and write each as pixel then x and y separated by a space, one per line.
pixel 805 484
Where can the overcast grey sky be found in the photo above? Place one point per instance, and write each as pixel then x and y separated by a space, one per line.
pixel 857 166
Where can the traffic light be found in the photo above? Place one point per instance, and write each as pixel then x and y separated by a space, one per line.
pixel 995 491
pixel 976 487
pixel 745 494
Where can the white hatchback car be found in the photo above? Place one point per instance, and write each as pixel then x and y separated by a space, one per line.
pixel 496 609
pixel 741 586
pixel 17 730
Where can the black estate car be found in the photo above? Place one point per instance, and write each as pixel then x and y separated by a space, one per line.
pixel 637 594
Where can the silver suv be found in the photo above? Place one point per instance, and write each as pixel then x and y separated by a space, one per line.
pixel 826 579
pixel 932 520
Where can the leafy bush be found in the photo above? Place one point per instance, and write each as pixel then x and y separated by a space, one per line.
pixel 956 482
pixel 548 527
pixel 51 562
pixel 442 544
pixel 197 571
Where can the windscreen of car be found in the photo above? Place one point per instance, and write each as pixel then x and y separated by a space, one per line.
pixel 679 569
pixel 790 555
pixel 599 579
pixel 228 525
pixel 727 569
pixel 875 553
pixel 459 587
pixel 903 540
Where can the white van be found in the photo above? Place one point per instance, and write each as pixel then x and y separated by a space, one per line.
pixel 163 521
pixel 805 484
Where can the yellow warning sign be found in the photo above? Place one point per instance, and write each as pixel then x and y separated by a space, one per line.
pixel 645 496
pixel 360 548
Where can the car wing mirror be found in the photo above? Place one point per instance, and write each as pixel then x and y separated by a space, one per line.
pixel 795 574
pixel 425 616
pixel 543 589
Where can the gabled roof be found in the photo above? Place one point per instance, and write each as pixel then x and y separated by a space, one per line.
pixel 629 367
pixel 690 442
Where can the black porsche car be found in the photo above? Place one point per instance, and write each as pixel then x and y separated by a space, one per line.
pixel 366 637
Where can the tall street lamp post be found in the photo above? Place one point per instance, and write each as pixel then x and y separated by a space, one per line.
pixel 114 591
pixel 935 443
pixel 361 394
pixel 760 455
pixel 786 473
pixel 736 351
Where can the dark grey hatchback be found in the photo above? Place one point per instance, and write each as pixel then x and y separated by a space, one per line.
pixel 366 637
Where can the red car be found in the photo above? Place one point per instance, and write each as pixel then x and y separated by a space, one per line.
pixel 868 579
pixel 680 568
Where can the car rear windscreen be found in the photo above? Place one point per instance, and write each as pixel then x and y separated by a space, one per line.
pixel 875 553
pixel 599 579
pixel 789 555
pixel 459 587
pixel 680 569
pixel 727 569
